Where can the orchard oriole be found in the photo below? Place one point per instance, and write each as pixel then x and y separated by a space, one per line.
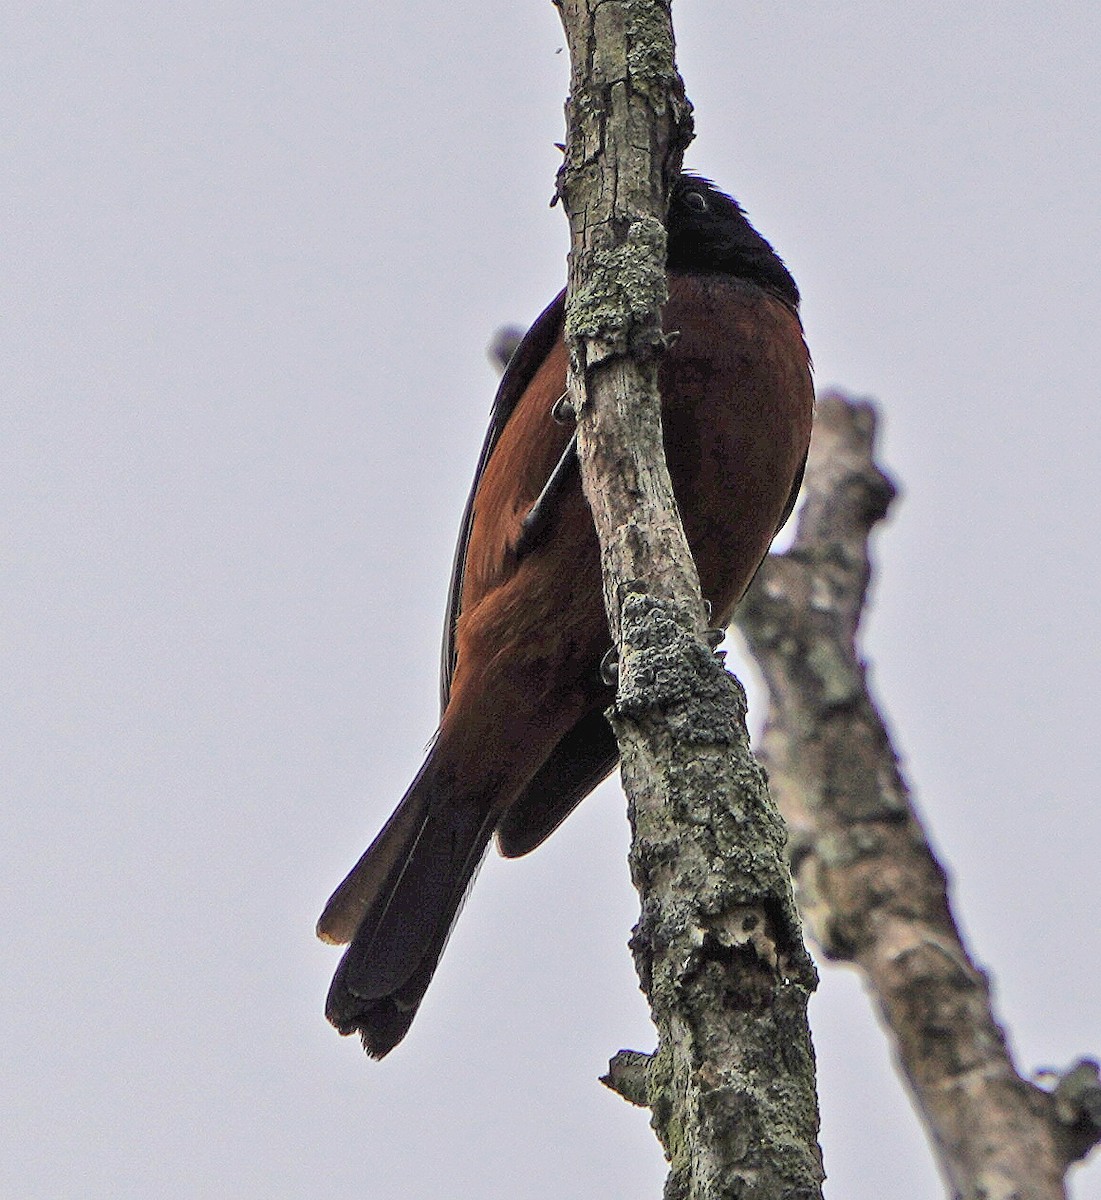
pixel 523 736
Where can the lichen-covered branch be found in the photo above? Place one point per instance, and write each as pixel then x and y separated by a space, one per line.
pixel 869 887
pixel 718 945
pixel 628 122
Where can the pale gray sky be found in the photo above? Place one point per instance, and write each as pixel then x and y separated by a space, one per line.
pixel 252 256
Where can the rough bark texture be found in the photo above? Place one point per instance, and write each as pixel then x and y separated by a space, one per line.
pixel 718 945
pixel 869 888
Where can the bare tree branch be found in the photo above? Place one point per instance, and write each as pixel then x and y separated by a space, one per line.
pixel 870 889
pixel 718 945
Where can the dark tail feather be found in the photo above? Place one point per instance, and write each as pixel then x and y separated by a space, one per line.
pixel 383 1021
pixel 381 864
pixel 401 899
pixel 579 762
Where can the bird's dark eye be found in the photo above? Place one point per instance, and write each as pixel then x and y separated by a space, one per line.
pixel 696 200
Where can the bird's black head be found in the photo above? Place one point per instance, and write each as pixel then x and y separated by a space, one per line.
pixel 708 231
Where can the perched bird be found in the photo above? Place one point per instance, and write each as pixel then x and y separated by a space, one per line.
pixel 522 736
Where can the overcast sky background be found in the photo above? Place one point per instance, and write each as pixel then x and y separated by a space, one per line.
pixel 252 257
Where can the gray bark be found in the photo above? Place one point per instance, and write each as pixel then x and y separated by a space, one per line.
pixel 718 945
pixel 870 889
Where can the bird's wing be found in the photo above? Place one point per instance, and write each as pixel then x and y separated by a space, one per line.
pixel 521 369
pixel 793 498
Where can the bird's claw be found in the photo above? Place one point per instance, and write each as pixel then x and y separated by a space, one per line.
pixel 562 410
